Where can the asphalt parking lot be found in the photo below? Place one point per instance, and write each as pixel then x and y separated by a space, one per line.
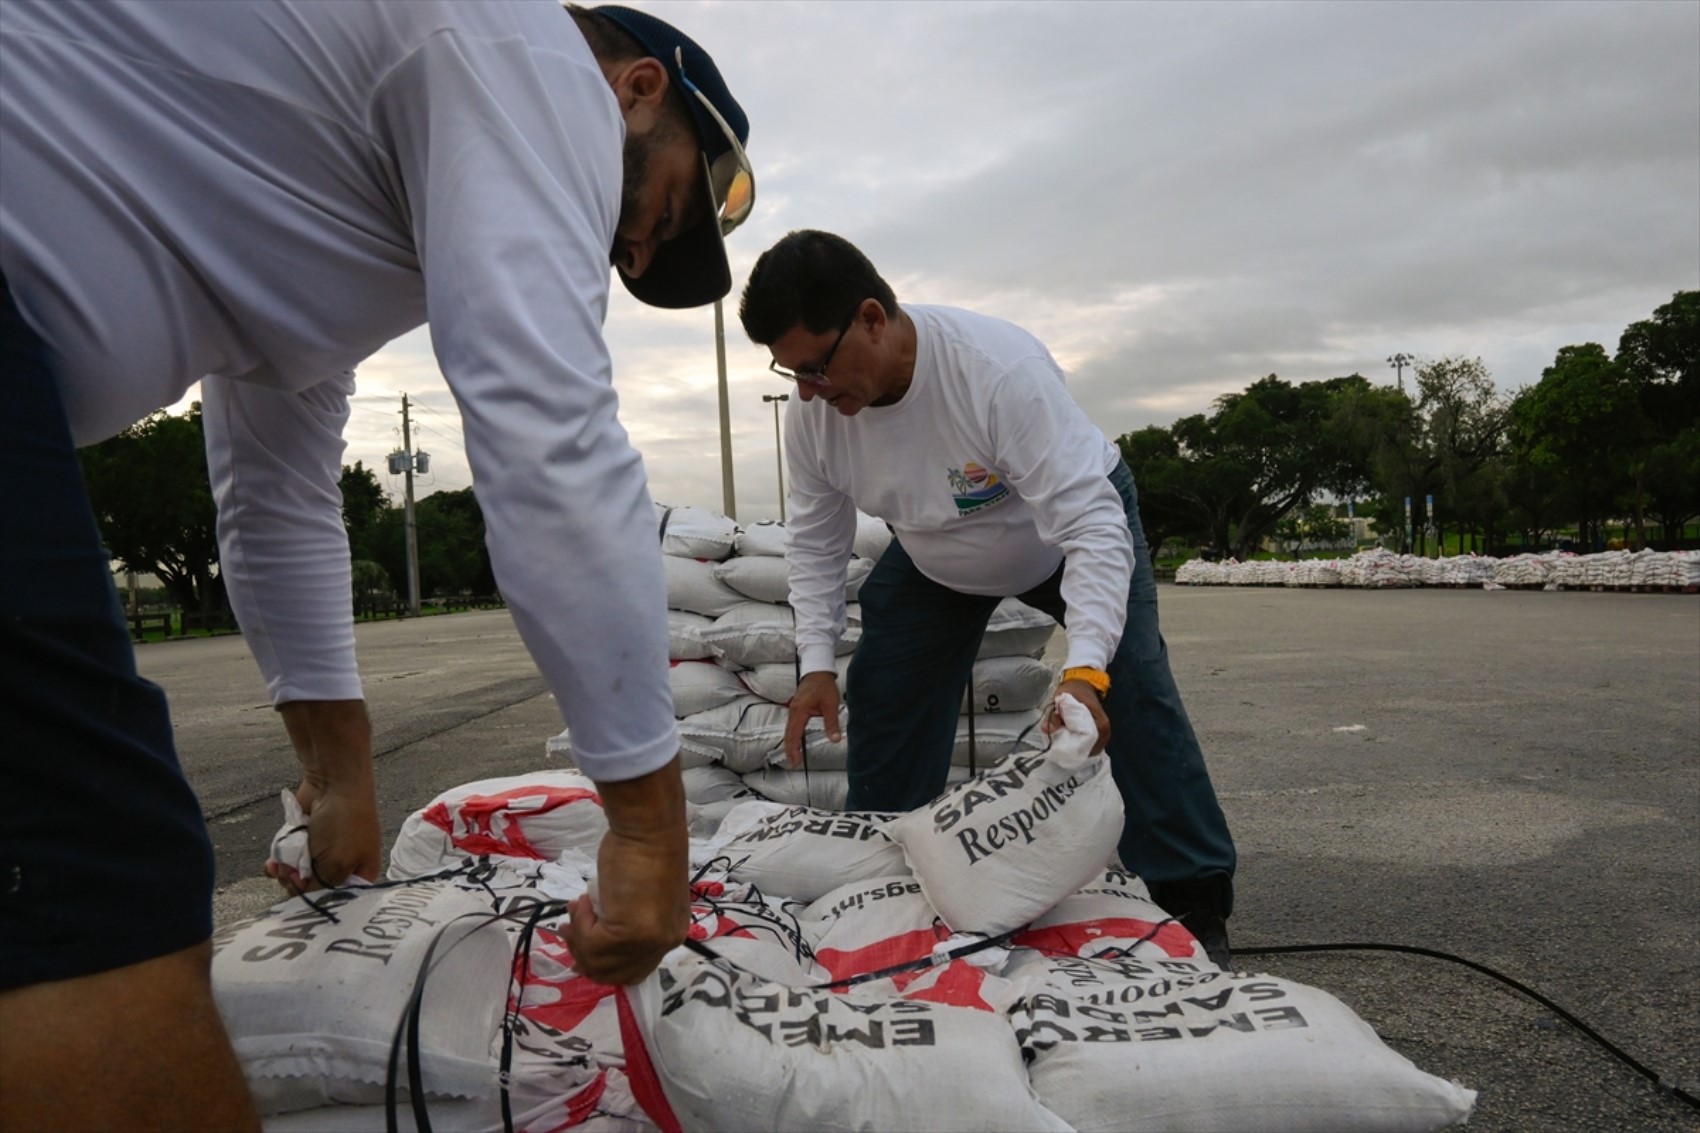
pixel 1511 777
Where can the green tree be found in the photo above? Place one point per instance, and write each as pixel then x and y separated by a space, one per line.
pixel 1264 451
pixel 1463 428
pixel 1309 526
pixel 1581 421
pixel 364 505
pixel 150 492
pixel 1160 474
pixel 1661 358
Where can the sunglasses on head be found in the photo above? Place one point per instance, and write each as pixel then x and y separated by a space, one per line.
pixel 730 174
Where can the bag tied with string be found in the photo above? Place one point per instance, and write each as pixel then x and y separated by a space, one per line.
pixel 999 849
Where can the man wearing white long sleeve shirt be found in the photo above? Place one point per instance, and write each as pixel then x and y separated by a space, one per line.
pixel 258 194
pixel 958 431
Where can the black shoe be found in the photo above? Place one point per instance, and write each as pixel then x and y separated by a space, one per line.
pixel 1212 933
pixel 1199 906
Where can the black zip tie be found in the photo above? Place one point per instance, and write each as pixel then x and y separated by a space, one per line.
pixel 932 960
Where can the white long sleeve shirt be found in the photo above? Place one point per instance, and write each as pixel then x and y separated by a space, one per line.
pixel 986 469
pixel 262 193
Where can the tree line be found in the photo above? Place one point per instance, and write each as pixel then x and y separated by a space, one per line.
pixel 1600 438
pixel 153 500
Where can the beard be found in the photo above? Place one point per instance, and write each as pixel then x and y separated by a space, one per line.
pixel 638 155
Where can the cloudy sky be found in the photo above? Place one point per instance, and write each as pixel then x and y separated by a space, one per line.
pixel 1178 199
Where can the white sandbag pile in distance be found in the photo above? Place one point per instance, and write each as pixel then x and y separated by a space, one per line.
pixel 732 641
pixel 1381 569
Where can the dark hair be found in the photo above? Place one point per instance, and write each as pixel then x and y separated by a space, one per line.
pixel 611 43
pixel 607 39
pixel 810 278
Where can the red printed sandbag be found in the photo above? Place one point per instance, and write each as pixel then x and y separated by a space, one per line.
pixel 1112 916
pixel 869 926
pixel 537 816
pixel 710 1049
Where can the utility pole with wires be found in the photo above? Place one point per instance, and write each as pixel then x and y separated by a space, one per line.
pixel 404 460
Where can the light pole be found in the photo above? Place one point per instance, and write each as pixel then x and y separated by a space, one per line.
pixel 778 452
pixel 1399 362
pixel 728 496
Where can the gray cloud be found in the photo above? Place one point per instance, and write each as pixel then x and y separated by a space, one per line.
pixel 1182 198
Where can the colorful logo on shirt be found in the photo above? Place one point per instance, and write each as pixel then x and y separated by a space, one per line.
pixel 976 488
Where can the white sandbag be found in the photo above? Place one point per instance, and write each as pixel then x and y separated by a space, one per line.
pixel 684 636
pixel 998 850
pixel 742 734
pixel 538 816
pixel 757 633
pixel 822 790
pixel 311 1004
pixel 870 925
pixel 1215 1052
pixel 754 633
pixel 715 784
pixel 727 1051
pixel 695 532
pixel 767 579
pixel 602 1105
pixel 1113 915
pixel 1008 684
pixel 559 749
pixel 568 1014
pixel 994 736
pixel 778 681
pixel 753 930
pixel 802 853
pixel 763 537
pixel 692 587
pixel 872 537
pixel 759 578
pixel 699 686
pixel 1017 630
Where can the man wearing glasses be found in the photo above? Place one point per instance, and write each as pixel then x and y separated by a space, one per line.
pixel 957 430
pixel 256 195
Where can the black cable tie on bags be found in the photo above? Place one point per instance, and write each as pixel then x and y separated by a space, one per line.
pixel 1663 1085
pixel 932 960
pixel 469 870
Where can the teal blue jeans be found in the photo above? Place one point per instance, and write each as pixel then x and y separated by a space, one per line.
pixel 910 671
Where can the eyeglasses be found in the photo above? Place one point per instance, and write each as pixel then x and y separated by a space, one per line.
pixel 730 174
pixel 815 375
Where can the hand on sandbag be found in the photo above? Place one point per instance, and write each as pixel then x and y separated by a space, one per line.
pixel 817 695
pixel 338 797
pixel 642 881
pixel 1088 697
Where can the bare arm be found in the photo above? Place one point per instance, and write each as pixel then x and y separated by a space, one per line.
pixel 333 741
pixel 642 871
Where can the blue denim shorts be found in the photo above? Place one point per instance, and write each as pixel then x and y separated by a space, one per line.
pixel 104 855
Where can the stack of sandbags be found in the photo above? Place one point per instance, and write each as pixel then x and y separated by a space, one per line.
pixel 733 657
pixel 1528 569
pixel 840 996
pixel 1381 569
